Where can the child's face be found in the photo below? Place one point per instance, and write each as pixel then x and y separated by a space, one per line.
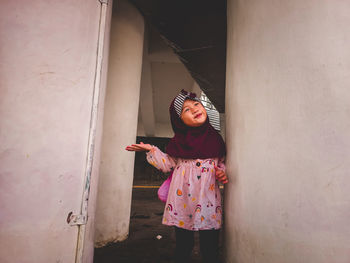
pixel 193 113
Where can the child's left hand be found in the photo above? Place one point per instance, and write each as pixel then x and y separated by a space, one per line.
pixel 220 175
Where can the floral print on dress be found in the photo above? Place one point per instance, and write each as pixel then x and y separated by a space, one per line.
pixel 194 199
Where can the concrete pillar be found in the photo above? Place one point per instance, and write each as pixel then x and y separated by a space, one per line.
pixel 120 124
pixel 288 132
pixel 146 93
pixel 47 87
pixel 223 125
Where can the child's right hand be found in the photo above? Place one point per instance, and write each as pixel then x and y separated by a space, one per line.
pixel 141 147
pixel 220 175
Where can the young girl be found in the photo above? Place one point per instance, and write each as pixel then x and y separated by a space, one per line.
pixel 195 155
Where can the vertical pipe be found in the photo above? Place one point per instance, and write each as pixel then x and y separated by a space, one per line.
pixel 92 132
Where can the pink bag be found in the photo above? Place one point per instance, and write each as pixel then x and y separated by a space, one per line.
pixel 164 189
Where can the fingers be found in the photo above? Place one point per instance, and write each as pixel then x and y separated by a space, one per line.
pixel 221 176
pixel 136 148
pixel 225 181
pixel 132 148
pixel 220 173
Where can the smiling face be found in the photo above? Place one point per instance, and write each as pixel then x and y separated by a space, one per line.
pixel 193 113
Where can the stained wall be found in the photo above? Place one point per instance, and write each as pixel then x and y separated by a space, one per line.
pixel 48 53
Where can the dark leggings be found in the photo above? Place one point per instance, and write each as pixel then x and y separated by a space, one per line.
pixel 208 241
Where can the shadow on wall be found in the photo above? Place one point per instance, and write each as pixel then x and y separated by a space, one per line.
pixel 144 173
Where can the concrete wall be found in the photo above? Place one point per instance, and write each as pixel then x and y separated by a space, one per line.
pixel 163 77
pixel 288 132
pixel 120 124
pixel 47 74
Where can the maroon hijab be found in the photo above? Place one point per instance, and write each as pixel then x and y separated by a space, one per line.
pixel 192 142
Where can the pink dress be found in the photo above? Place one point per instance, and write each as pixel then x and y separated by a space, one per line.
pixel 194 200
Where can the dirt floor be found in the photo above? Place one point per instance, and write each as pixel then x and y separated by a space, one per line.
pixel 142 245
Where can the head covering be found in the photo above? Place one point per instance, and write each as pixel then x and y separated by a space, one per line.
pixel 179 100
pixel 192 142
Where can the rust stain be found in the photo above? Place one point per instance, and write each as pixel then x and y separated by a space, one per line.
pixel 69 217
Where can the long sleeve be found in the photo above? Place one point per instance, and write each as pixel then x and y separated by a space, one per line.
pixel 160 160
pixel 221 164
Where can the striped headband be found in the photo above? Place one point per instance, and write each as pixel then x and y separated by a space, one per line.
pixel 180 99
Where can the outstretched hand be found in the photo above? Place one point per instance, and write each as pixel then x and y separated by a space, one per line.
pixel 141 147
pixel 220 175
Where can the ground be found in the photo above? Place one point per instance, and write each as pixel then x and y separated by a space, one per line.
pixel 142 245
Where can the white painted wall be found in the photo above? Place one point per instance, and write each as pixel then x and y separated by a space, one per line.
pixel 47 70
pixel 120 124
pixel 288 132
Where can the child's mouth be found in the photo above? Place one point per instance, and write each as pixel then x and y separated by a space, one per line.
pixel 198 115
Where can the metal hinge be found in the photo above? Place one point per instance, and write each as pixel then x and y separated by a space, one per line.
pixel 104 1
pixel 74 220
